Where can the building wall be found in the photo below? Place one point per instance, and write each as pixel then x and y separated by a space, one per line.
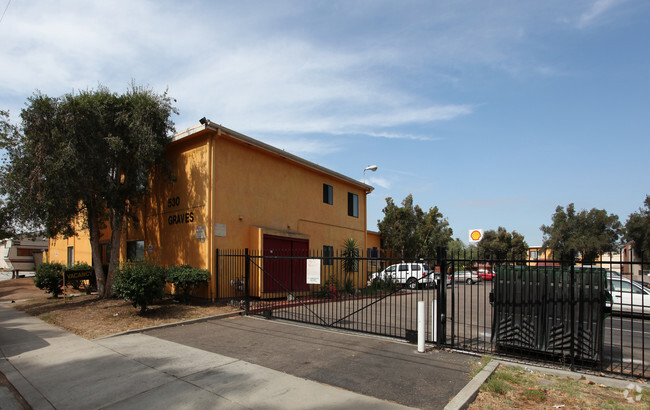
pixel 169 216
pixel 255 189
pixel 224 193
pixel 80 243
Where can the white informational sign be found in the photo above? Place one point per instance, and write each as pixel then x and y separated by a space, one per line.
pixel 200 232
pixel 313 271
pixel 150 248
pixel 220 230
pixel 475 235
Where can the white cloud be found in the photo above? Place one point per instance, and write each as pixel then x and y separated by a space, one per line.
pixel 280 68
pixel 595 11
pixel 380 182
pixel 302 146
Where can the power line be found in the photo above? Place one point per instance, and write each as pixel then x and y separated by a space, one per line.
pixel 4 12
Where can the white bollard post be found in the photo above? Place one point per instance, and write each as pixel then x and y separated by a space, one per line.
pixel 421 325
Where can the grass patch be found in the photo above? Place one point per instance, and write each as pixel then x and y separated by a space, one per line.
pixel 480 365
pixel 516 387
pixel 535 395
pixel 497 387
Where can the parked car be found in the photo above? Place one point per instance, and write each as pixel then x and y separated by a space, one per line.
pixel 467 276
pixel 486 274
pixel 644 284
pixel 411 275
pixel 628 297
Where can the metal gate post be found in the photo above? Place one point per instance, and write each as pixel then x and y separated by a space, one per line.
pixel 215 288
pixel 247 274
pixel 442 297
pixel 572 304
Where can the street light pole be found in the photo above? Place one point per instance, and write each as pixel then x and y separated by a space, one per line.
pixel 372 168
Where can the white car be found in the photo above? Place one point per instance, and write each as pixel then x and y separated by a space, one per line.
pixel 628 297
pixel 413 275
pixel 466 276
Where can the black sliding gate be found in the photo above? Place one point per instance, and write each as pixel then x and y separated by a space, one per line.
pixel 551 311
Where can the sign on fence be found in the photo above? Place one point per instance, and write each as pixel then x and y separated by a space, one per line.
pixel 313 271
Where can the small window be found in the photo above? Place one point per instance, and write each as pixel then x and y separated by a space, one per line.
pixel 328 254
pixel 415 266
pixel 353 205
pixel 403 268
pixel 70 255
pixel 328 194
pixel 26 252
pixel 134 251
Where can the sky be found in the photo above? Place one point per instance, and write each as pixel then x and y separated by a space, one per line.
pixel 495 111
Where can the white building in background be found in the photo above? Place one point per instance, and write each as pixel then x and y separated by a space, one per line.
pixel 23 254
pixel 625 262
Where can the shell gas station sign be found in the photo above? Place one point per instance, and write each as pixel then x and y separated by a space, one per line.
pixel 475 235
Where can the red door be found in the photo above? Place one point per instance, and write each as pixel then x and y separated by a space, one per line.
pixel 282 274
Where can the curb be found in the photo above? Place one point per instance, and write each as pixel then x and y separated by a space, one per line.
pixel 606 381
pixel 183 323
pixel 467 395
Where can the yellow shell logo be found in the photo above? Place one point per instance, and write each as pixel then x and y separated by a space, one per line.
pixel 476 235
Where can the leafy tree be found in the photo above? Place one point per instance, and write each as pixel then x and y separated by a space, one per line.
pixel 6 230
pixel 86 157
pixel 637 229
pixel 590 233
pixel 411 231
pixel 501 244
pixel 7 130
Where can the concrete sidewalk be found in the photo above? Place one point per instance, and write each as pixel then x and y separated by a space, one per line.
pixel 51 368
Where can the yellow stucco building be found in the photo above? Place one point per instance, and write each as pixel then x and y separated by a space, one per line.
pixel 229 191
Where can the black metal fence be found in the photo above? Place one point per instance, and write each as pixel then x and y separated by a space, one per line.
pixel 556 311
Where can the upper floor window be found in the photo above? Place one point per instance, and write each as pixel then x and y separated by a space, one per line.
pixel 328 255
pixel 328 194
pixel 353 204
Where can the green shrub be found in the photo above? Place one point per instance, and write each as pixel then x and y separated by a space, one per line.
pixel 49 277
pixel 387 285
pixel 139 283
pixel 186 278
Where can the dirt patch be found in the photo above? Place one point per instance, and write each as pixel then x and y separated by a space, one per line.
pixel 19 289
pixel 91 317
pixel 515 387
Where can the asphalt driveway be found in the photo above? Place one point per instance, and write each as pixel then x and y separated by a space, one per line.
pixel 374 366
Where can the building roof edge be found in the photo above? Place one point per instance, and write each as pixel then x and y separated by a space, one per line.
pixel 209 125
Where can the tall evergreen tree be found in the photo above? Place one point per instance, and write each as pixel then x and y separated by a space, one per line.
pixel 410 231
pixel 86 157
pixel 590 233
pixel 637 229
pixel 501 244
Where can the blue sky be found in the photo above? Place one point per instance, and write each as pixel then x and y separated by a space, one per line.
pixel 496 112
